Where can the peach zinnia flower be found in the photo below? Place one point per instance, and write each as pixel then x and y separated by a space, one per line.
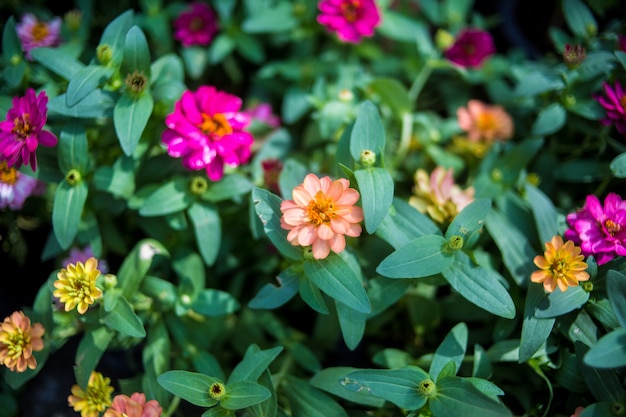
pixel 321 213
pixel 76 285
pixel 95 399
pixel 133 406
pixel 560 266
pixel 485 122
pixel 18 340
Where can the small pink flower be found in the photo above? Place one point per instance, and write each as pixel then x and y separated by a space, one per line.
pixel 271 173
pixel 321 214
pixel 35 34
pixel 22 131
pixel 615 105
pixel 485 122
pixel 578 411
pixel 78 255
pixel 206 130
pixel 196 25
pixel 263 113
pixel 350 19
pixel 471 48
pixel 16 187
pixel 133 406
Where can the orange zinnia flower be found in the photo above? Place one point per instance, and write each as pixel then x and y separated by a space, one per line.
pixel 321 213
pixel 76 285
pixel 18 340
pixel 485 122
pixel 561 265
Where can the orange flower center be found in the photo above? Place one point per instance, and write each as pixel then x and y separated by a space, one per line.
pixel 486 122
pixel 351 10
pixel 321 209
pixel 560 267
pixel 40 31
pixel 22 126
pixel 622 101
pixel 215 126
pixel 612 227
pixel 8 175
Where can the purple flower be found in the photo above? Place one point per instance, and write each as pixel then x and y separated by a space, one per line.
pixel 22 131
pixel 196 25
pixel 263 113
pixel 16 187
pixel 600 230
pixel 77 255
pixel 614 103
pixel 471 48
pixel 35 34
pixel 350 19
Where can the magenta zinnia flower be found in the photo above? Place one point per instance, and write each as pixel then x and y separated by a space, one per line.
pixel 351 19
pixel 206 131
pixel 599 229
pixel 22 131
pixel 615 105
pixel 471 48
pixel 196 25
pixel 15 187
pixel 34 34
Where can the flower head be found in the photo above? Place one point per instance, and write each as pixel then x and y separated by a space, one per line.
pixel 16 187
pixel 615 105
pixel 471 48
pixel 600 230
pixel 438 195
pixel 18 340
pixel 560 266
pixel 574 55
pixel 196 25
pixel 206 131
pixel 35 34
pixel 76 285
pixel 350 19
pixel 485 122
pixel 262 113
pixel 93 400
pixel 82 255
pixel 321 213
pixel 133 406
pixel 22 131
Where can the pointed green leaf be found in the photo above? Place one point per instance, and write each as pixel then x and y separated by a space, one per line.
pixel 616 290
pixel 242 394
pixel 57 61
pixel 123 319
pixel 328 379
pixel 312 295
pixel 114 35
pixel 118 179
pixel 405 223
pixel 291 175
pixel 275 19
pixel 604 384
pixel 271 296
pixel 368 132
pixel 67 211
pixel 73 152
pixel 352 324
pixel 89 351
pixel 579 18
pixel 459 397
pixel 84 81
pixel 96 104
pixel 207 227
pixel 544 212
pixel 469 222
pixel 549 120
pixel 169 198
pixel 558 303
pixel 136 53
pixel 130 118
pixel 384 292
pixel 220 48
pixel 229 187
pixel 609 352
pixel 11 44
pixel 535 331
pixel 392 92
pixel 452 349
pixel 212 303
pixel 308 401
pixel 189 386
pixel 419 258
pixel 618 164
pixel 136 265
pixel 377 188
pixel 253 364
pixel 268 407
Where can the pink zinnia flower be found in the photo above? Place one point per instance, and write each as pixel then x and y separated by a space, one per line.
pixel 599 229
pixel 34 34
pixel 321 213
pixel 16 187
pixel 615 105
pixel 484 121
pixel 133 406
pixel 206 131
pixel 22 131
pixel 351 19
pixel 196 25
pixel 471 48
pixel 78 255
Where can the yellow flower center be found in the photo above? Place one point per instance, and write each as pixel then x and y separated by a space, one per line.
pixel 16 342
pixel 560 267
pixel 215 126
pixel 486 122
pixel 40 31
pixel 22 126
pixel 351 10
pixel 8 175
pixel 612 227
pixel 321 209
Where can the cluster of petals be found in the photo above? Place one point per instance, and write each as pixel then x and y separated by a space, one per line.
pixel 351 20
pixel 321 214
pixel 133 406
pixel 470 48
pixel 22 131
pixel 16 187
pixel 561 266
pixel 18 340
pixel 485 122
pixel 614 102
pixel 196 25
pixel 438 195
pixel 76 285
pixel 599 229
pixel 34 33
pixel 93 400
pixel 206 130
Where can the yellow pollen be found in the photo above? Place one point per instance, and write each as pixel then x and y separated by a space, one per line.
pixel 8 175
pixel 215 126
pixel 21 126
pixel 351 10
pixel 321 209
pixel 17 342
pixel 40 31
pixel 612 227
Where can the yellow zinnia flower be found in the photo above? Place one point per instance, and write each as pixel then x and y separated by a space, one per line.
pixel 95 399
pixel 76 285
pixel 18 340
pixel 561 265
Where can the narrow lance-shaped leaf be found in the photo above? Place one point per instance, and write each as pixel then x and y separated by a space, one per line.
pixel 352 324
pixel 84 81
pixel 114 35
pixel 308 401
pixel 419 258
pixel 73 152
pixel 130 118
pixel 254 363
pixel 457 396
pixel 90 349
pixel 609 352
pixel 207 226
pixel 535 331
pixel 452 349
pixel 368 133
pixel 191 386
pixel 67 210
pixel 377 188
pixel 273 296
pixel 242 394
pixel 169 198
pixel 616 290
pixel 123 319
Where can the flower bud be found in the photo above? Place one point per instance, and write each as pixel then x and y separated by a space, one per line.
pixel 574 55
pixel 104 53
pixel 136 83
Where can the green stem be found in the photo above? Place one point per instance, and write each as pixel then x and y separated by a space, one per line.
pixel 405 138
pixel 420 81
pixel 173 406
pixel 284 369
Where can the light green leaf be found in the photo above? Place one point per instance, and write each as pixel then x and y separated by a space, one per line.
pixel 618 165
pixel 169 198
pixel 254 363
pixel 220 47
pixel 544 212
pixel 452 349
pixel 384 292
pixel 459 397
pixel 271 19
pixel 268 407
pixel 392 93
pixel 57 61
pixel 405 223
pixel 603 384
pixel 67 211
pixel 189 386
pixel 73 152
pixel 377 187
pixel 118 179
pixel 470 221
pixel 616 291
pixel 558 303
pixel 130 117
pixel 549 120
pixel 97 104
pixel 368 132
pixel 207 226
pixel 123 319
pixel 136 53
pixel 400 27
pixel 308 401
pixel 609 352
pixel 579 18
pixel 214 303
pixel 535 331
pixel 230 186
pixel 535 82
pixel 114 35
pixel 352 324
pixel 84 81
pixel 136 265
pixel 89 351
pixel 271 296
pixel 242 394
pixel 328 380
pixel 291 176
pixel 419 258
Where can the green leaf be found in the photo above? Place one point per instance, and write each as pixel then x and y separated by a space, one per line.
pixel 470 221
pixel 368 132
pixel 405 223
pixel 549 120
pixel 451 350
pixel 268 407
pixel 400 27
pixel 88 353
pixel 218 411
pixel 271 19
pixel 376 187
pixel 618 165
pixel 271 296
pixel 328 380
pixel 242 394
pixel 130 117
pixel 123 319
pixel 97 104
pixel 480 286
pixel 169 198
pixel 312 295
pixel 609 352
pixel 456 11
pixel 581 170
pixel 621 57
pixel 308 401
pixel 84 81
pixel 57 61
pixel 459 397
pixel 399 386
pixel 558 303
pixel 616 290
pixel 229 187
pixel 544 212
pixel 67 211
pixel 392 93
pixel 136 265
pixel 196 60
pixel 352 324
pixel 295 104
pixel 604 384
pixel 212 303
pixel 114 35
pixel 535 82
pixel 136 53
pixel 73 152
pixel 291 176
pixel 254 363
pixel 335 278
pixel 119 179
pixel 220 47
pixel 384 292
pixel 11 44
pixel 579 18
pixel 535 331
pixel 189 386
pixel 207 227
pixel 419 258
